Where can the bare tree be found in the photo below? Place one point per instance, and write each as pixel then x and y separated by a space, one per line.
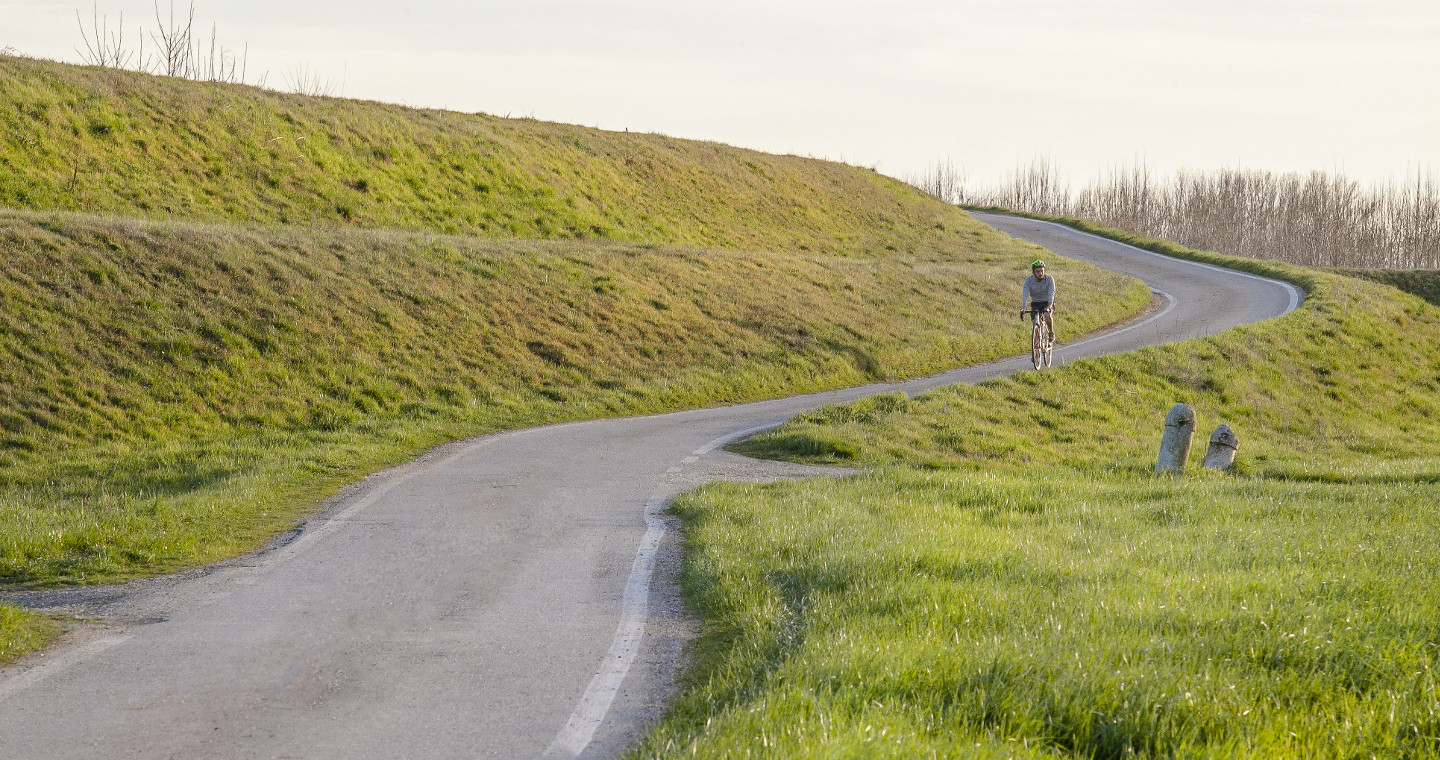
pixel 102 47
pixel 175 58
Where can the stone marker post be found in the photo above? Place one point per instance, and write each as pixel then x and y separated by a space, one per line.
pixel 1175 446
pixel 1223 445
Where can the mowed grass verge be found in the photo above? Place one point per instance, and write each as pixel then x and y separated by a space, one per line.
pixel 1010 580
pixel 22 632
pixel 172 394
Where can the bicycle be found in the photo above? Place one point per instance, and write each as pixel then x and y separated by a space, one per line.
pixel 1042 343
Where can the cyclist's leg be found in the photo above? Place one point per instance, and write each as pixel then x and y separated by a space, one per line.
pixel 1049 322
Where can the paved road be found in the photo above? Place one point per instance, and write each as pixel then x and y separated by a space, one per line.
pixel 491 599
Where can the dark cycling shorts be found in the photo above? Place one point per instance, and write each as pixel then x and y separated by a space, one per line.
pixel 1039 306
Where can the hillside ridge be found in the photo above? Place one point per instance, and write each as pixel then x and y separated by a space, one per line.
pixel 123 143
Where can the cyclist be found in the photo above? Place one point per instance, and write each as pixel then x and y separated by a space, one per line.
pixel 1039 292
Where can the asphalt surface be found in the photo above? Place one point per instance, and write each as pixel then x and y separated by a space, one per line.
pixel 508 596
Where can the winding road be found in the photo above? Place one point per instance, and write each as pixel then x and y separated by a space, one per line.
pixel 508 596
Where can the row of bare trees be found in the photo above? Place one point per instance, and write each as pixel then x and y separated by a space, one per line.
pixel 178 49
pixel 1315 219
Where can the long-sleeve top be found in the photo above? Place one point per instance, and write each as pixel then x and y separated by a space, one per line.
pixel 1037 290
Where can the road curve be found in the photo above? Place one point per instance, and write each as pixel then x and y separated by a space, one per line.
pixel 491 599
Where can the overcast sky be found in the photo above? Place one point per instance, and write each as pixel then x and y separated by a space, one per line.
pixel 1352 85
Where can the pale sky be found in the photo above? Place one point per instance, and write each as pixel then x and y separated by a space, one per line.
pixel 1351 85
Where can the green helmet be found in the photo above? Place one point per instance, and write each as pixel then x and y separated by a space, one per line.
pixel 1037 264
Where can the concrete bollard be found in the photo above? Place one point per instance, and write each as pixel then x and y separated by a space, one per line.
pixel 1175 446
pixel 1223 445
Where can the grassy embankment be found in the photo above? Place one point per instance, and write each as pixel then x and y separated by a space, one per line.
pixel 174 392
pixel 1010 580
pixel 1419 282
pixel 109 142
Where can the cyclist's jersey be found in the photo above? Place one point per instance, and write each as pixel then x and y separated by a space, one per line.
pixel 1037 291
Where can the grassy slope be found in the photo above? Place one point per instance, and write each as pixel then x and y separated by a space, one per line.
pixel 961 600
pixel 104 141
pixel 1418 282
pixel 173 392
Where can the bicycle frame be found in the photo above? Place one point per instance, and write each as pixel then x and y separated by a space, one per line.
pixel 1041 345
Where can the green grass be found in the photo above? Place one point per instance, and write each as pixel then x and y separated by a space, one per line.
pixel 1424 283
pixel 121 143
pixel 1010 580
pixel 22 632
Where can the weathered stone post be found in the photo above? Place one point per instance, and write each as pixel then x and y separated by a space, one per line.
pixel 1175 446
pixel 1223 445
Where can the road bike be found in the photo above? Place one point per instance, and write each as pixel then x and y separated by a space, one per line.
pixel 1042 343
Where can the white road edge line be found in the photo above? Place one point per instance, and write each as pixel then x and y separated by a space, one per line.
pixel 1169 305
pixel 732 437
pixel 309 537
pixel 595 702
pixel 12 686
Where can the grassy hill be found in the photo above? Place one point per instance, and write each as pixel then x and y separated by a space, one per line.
pixel 178 385
pixel 1009 579
pixel 115 142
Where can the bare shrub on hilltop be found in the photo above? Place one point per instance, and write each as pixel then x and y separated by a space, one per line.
pixel 103 47
pixel 302 80
pixel 943 180
pixel 1314 219
pixel 179 52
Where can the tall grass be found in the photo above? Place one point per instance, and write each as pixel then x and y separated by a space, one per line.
pixel 1314 219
